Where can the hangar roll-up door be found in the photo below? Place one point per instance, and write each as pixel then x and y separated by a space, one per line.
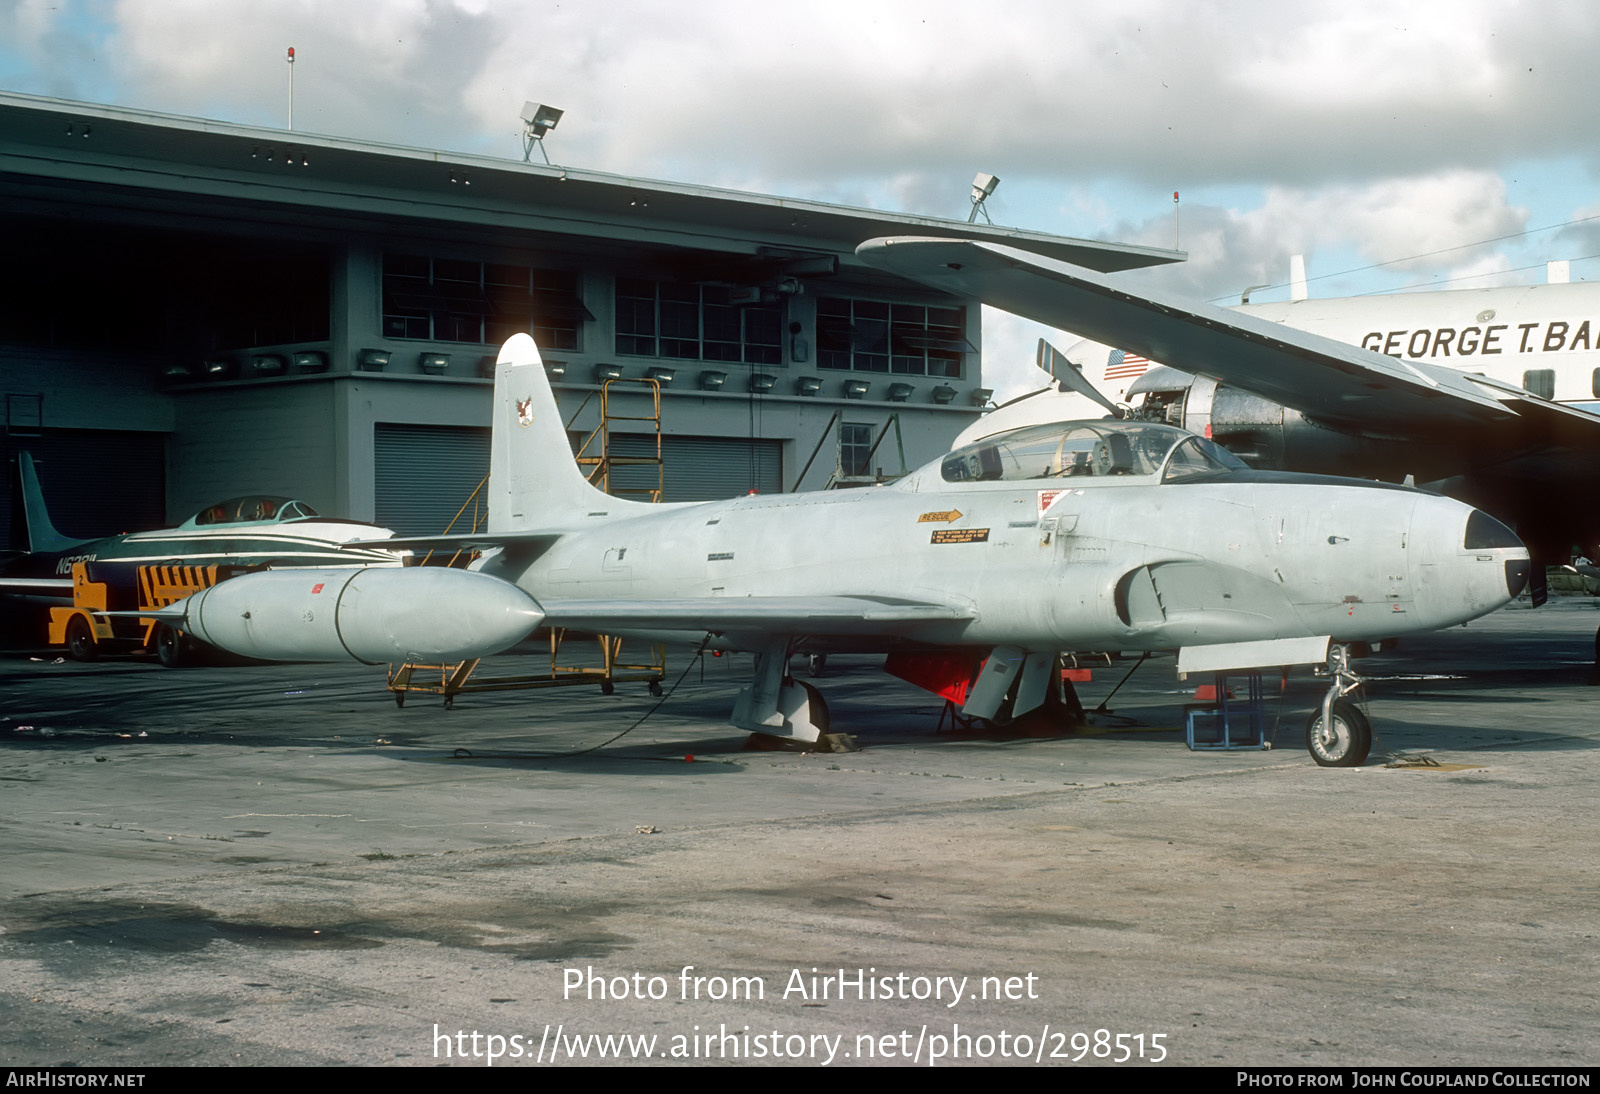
pixel 96 482
pixel 703 468
pixel 424 474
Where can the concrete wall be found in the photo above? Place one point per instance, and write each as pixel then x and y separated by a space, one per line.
pixel 88 389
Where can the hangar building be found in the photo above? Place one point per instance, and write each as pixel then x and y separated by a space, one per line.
pixel 192 309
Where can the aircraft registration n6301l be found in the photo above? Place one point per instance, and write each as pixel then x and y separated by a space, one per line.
pixel 1075 536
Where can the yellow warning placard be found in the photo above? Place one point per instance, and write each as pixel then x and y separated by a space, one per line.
pixel 960 535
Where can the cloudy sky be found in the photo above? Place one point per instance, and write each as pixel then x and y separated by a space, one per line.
pixel 1396 144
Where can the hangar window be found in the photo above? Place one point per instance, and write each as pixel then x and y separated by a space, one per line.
pixel 451 300
pixel 695 323
pixel 1540 381
pixel 907 339
pixel 855 449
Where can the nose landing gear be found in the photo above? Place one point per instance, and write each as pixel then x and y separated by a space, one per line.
pixel 1339 734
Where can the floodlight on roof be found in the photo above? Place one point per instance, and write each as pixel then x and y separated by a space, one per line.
pixel 982 186
pixel 537 120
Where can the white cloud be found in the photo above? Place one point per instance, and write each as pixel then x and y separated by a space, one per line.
pixel 1353 131
pixel 26 22
pixel 1157 93
pixel 1412 223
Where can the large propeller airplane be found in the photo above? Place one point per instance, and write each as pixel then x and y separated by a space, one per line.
pixel 1068 536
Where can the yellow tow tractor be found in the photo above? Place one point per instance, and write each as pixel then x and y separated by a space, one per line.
pixel 86 631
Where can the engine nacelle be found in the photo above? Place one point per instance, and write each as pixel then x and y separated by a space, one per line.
pixel 1272 437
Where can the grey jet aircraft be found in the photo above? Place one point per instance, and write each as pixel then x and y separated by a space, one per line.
pixel 1078 535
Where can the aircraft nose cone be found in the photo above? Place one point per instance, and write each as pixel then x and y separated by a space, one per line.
pixel 1484 533
pixel 1464 562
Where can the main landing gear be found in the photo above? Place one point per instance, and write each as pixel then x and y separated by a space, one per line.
pixel 1339 734
pixel 779 708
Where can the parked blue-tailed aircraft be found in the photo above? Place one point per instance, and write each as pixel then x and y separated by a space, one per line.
pixel 243 532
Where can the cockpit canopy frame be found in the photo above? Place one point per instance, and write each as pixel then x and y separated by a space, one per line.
pixel 253 509
pixel 1102 452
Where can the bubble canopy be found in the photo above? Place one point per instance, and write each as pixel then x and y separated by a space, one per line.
pixel 1089 452
pixel 253 509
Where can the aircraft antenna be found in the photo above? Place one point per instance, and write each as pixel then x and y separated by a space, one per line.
pixel 291 88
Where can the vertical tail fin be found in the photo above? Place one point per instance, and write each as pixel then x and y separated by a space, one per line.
pixel 1070 376
pixel 534 483
pixel 42 535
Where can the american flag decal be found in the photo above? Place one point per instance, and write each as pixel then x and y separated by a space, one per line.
pixel 1125 366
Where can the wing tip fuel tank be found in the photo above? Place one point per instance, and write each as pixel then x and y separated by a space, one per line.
pixel 375 615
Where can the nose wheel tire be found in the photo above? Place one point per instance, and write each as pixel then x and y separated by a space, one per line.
pixel 1345 742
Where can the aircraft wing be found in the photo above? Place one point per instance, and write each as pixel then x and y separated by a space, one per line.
pixel 799 615
pixel 38 584
pixel 459 541
pixel 1357 390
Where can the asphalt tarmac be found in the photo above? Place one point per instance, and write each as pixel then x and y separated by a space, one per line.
pixel 276 865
